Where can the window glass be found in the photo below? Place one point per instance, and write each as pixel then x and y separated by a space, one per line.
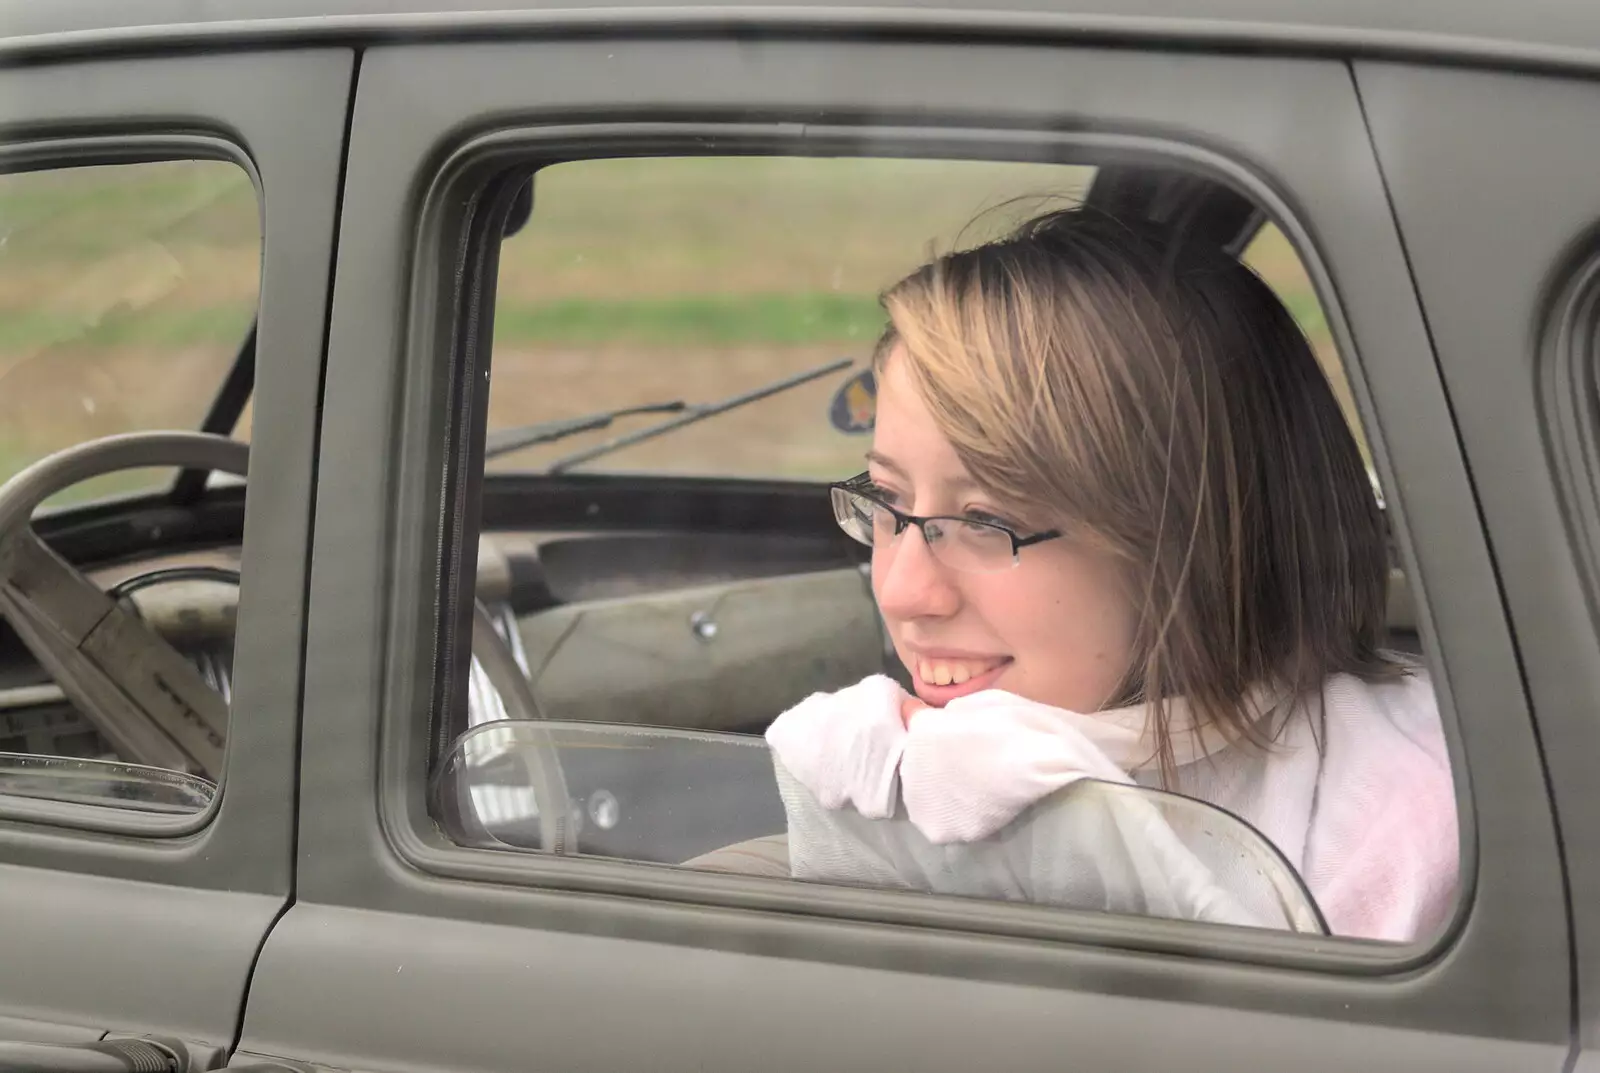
pixel 125 293
pixel 931 676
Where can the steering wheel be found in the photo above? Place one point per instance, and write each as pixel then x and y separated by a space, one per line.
pixel 147 699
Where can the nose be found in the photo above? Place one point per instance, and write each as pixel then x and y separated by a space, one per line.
pixel 910 583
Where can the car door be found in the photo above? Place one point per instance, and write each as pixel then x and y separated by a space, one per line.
pixel 1505 265
pixel 118 921
pixel 404 950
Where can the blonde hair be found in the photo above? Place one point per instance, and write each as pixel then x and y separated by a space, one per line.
pixel 1156 401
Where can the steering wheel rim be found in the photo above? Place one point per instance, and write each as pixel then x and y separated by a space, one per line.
pixel 543 761
pixel 24 492
pixel 21 496
pixel 151 704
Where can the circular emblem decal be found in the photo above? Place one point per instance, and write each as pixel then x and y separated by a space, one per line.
pixel 855 404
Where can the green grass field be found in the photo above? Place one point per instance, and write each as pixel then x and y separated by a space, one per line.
pixel 124 292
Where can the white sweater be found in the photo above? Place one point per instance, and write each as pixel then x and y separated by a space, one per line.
pixel 1368 820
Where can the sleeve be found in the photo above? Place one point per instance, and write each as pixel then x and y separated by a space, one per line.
pixel 845 747
pixel 968 772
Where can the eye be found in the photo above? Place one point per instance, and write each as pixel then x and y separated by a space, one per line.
pixel 879 492
pixel 983 517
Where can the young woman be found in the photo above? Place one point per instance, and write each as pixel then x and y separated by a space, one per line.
pixel 1121 530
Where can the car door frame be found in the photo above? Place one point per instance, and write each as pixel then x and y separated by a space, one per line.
pixel 718 972
pixel 1515 337
pixel 110 927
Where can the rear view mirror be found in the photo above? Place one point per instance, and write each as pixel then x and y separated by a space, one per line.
pixel 521 209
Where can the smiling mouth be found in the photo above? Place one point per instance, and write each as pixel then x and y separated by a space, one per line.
pixel 946 673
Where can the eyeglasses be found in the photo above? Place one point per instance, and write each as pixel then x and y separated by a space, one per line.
pixel 964 544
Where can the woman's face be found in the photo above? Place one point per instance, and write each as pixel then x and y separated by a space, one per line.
pixel 1055 628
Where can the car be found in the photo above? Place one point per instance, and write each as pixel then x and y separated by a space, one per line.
pixel 416 428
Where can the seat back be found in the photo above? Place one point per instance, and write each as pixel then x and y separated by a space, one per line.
pixel 1104 846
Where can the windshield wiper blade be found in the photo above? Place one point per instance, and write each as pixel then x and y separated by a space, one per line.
pixel 515 439
pixel 693 414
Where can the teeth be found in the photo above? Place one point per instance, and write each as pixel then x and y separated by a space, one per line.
pixel 942 673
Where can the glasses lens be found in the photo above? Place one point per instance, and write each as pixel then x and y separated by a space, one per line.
pixel 974 547
pixel 854 513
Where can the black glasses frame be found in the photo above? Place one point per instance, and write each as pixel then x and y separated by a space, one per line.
pixel 861 485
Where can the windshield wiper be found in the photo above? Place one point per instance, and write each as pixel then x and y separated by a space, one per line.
pixel 690 416
pixel 515 439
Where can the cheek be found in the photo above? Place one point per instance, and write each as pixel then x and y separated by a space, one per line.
pixel 1074 619
pixel 880 571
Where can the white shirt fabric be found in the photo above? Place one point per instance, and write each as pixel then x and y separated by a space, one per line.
pixel 1367 820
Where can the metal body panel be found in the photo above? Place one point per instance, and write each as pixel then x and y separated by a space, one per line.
pixel 577 962
pixel 1490 181
pixel 127 956
pixel 573 1003
pixel 29 1031
pixel 1549 33
pixel 138 933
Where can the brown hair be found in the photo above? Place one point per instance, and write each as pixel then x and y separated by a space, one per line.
pixel 1157 401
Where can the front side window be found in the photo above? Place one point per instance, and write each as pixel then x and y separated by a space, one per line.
pixel 951 527
pixel 126 292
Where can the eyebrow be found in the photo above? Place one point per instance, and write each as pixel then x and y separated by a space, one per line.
pixel 874 458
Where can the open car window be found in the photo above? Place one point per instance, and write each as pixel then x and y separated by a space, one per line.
pixel 681 399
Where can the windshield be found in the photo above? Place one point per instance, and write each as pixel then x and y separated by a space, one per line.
pixel 652 284
pixel 647 281
pixel 125 292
